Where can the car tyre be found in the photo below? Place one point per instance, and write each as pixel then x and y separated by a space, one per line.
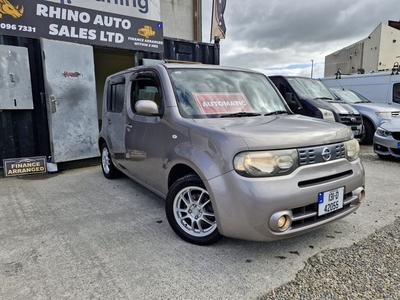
pixel 369 133
pixel 190 213
pixel 107 165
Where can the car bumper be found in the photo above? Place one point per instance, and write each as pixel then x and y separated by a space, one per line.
pixel 244 206
pixel 387 146
pixel 358 131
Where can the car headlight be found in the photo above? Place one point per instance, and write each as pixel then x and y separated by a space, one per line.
pixel 352 149
pixel 266 163
pixel 382 132
pixel 384 114
pixel 327 114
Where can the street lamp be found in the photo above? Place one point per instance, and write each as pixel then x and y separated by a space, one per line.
pixel 312 67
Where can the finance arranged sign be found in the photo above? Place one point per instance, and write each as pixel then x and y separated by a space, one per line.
pixel 24 166
pixel 58 21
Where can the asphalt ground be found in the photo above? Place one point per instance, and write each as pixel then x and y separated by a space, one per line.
pixel 76 235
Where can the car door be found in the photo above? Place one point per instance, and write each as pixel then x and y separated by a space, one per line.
pixel 396 93
pixel 115 117
pixel 145 134
pixel 292 100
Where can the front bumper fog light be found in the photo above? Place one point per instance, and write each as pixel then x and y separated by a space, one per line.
pixel 361 196
pixel 281 221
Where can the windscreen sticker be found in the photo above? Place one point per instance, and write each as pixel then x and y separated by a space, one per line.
pixel 221 103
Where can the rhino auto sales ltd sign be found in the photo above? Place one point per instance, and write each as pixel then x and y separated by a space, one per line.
pixel 85 23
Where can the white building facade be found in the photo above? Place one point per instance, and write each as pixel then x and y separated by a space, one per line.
pixel 377 52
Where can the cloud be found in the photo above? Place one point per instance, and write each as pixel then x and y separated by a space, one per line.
pixel 275 35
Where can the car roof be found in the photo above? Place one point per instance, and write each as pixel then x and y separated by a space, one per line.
pixel 204 66
pixel 292 76
pixel 188 65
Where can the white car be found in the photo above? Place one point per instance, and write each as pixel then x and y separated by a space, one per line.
pixel 387 139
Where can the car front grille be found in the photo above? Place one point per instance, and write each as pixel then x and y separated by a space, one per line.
pixel 313 155
pixel 350 119
pixel 319 180
pixel 396 135
pixel 395 113
pixel 308 215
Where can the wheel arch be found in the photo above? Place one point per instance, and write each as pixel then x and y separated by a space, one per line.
pixel 101 142
pixel 178 171
pixel 109 169
pixel 367 118
pixel 370 128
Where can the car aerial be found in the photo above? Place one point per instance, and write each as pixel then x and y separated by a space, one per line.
pixel 224 150
pixel 387 139
pixel 373 113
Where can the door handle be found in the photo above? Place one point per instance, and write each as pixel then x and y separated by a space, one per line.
pixel 109 121
pixel 128 127
pixel 54 103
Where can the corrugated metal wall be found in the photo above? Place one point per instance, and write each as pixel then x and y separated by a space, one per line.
pixel 24 133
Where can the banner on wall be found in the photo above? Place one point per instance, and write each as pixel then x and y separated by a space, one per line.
pixel 218 27
pixel 58 21
pixel 144 9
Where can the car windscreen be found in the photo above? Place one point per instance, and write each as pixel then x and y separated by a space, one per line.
pixel 206 93
pixel 351 97
pixel 308 88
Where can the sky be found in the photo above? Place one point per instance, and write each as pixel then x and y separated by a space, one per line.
pixel 292 37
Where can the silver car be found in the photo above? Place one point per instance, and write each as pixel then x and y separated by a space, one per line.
pixel 374 114
pixel 387 139
pixel 227 154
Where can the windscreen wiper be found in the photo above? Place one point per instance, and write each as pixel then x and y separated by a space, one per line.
pixel 241 114
pixel 324 98
pixel 278 112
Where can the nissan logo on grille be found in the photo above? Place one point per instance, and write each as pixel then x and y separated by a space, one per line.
pixel 326 154
pixel 353 119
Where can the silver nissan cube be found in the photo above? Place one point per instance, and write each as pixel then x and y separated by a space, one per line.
pixel 227 154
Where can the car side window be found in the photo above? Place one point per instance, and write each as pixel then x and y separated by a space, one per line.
pixel 115 99
pixel 396 93
pixel 145 88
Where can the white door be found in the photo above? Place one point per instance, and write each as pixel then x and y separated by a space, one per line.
pixel 71 100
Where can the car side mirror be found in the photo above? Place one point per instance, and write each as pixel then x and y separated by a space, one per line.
pixel 146 107
pixel 289 98
pixel 292 102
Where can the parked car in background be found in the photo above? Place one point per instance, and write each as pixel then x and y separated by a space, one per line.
pixel 225 151
pixel 310 97
pixel 387 139
pixel 379 87
pixel 373 113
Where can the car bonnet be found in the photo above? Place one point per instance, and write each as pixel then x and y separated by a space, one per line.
pixel 339 107
pixel 393 125
pixel 281 131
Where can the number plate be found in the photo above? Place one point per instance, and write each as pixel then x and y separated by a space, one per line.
pixel 398 145
pixel 330 201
